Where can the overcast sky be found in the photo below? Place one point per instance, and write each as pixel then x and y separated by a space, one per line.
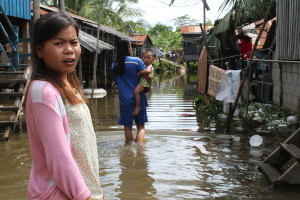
pixel 158 11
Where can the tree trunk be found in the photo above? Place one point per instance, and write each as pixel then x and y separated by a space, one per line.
pixel 61 5
pixel 96 61
pixel 36 10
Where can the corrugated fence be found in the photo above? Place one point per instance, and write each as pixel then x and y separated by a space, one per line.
pixel 288 30
pixel 17 8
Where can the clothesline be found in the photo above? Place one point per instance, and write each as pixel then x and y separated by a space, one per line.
pixel 237 55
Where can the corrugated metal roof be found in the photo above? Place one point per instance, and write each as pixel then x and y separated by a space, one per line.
pixel 86 40
pixel 193 29
pixel 54 9
pixel 95 25
pixel 17 8
pixel 90 42
pixel 112 31
pixel 287 32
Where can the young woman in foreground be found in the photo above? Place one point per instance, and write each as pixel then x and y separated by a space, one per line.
pixel 61 135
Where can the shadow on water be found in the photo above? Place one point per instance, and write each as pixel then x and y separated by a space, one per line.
pixel 177 161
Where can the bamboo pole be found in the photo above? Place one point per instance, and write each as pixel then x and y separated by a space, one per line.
pixel 96 61
pixel 247 71
pixel 277 61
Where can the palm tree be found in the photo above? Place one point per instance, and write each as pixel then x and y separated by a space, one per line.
pixel 135 27
pixel 113 13
pixel 245 11
pixel 117 13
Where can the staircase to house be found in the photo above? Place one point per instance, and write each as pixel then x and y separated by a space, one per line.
pixel 14 77
pixel 282 166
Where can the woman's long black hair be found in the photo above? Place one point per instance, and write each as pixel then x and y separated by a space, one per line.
pixel 122 52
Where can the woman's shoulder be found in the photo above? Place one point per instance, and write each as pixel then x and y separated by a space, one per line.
pixel 131 58
pixel 43 91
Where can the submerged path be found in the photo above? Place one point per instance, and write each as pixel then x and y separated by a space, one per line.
pixel 178 161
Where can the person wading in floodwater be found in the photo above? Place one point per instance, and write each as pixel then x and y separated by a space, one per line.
pixel 125 70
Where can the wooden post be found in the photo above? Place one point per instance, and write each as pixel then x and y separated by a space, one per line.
pixel 61 5
pixel 207 98
pixel 105 70
pixel 253 51
pixel 204 28
pixel 80 72
pixel 36 10
pixel 247 71
pixel 204 41
pixel 281 85
pixel 96 61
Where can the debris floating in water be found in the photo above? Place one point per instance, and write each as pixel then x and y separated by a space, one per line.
pixel 256 140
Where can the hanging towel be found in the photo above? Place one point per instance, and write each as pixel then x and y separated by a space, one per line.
pixel 214 79
pixel 202 71
pixel 229 86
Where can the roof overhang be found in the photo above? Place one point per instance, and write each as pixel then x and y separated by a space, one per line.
pixel 90 42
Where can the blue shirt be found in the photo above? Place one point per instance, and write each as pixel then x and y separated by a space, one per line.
pixel 127 83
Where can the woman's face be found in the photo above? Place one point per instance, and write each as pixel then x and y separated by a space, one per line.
pixel 61 53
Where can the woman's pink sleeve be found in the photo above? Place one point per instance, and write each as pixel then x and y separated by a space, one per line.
pixel 52 133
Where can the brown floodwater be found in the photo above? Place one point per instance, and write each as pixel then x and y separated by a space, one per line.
pixel 177 161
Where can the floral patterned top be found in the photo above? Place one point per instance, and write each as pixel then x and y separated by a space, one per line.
pixel 84 146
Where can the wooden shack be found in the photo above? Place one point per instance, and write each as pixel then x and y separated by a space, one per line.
pixel 144 43
pixel 192 42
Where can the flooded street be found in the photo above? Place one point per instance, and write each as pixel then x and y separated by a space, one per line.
pixel 177 161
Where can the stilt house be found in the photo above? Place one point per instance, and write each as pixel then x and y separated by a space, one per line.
pixel 15 19
pixel 192 41
pixel 145 43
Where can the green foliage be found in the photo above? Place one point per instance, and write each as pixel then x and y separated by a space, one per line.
pixel 208 22
pixel 184 20
pixel 247 11
pixel 110 13
pixel 163 66
pixel 193 65
pixel 212 108
pixel 135 27
pixel 266 111
pixel 163 36
pixel 158 29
